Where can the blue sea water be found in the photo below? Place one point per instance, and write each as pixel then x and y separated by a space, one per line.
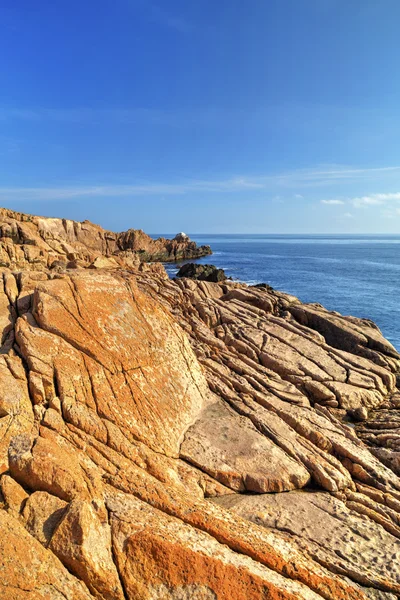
pixel 355 275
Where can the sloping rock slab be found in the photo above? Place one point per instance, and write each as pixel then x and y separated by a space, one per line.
pixel 230 449
pixel 336 536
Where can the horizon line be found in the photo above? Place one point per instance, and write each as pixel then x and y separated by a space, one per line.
pixel 270 233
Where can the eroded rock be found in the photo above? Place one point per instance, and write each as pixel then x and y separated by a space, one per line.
pixel 82 541
pixel 127 399
pixel 230 449
pixel 202 272
pixel 40 243
pixel 30 572
pixel 334 534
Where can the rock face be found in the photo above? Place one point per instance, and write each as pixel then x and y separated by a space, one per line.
pixel 202 272
pixel 149 428
pixel 41 243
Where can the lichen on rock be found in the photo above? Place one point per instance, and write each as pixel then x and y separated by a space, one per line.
pixel 174 439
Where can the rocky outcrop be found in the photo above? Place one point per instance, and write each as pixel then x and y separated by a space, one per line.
pixel 162 249
pixel 40 243
pixel 149 427
pixel 202 272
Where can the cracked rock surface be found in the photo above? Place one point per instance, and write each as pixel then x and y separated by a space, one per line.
pixel 185 439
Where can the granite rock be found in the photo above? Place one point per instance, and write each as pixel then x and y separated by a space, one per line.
pixel 176 439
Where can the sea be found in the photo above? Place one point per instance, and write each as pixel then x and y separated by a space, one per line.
pixel 355 275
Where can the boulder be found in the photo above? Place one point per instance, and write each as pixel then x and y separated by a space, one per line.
pixel 42 513
pixel 181 237
pixel 29 571
pixel 82 541
pixel 202 272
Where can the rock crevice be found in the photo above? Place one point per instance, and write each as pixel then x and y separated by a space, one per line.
pixel 181 439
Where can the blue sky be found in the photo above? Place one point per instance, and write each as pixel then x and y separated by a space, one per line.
pixel 273 116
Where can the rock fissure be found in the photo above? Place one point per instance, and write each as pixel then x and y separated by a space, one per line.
pixel 164 419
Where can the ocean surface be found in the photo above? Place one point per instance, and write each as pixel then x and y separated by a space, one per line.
pixel 355 275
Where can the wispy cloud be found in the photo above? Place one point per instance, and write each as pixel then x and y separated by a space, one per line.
pixel 70 192
pixel 277 184
pixel 283 119
pixel 371 200
pixel 375 199
pixel 331 175
pixel 348 215
pixel 332 202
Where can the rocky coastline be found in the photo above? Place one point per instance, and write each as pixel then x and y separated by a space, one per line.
pixel 186 439
pixel 39 243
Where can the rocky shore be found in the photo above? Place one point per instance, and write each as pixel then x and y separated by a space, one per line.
pixel 202 272
pixel 40 243
pixel 186 439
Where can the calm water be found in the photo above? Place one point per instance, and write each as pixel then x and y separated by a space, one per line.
pixel 356 275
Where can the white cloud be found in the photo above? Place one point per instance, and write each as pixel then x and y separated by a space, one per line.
pixel 348 215
pixel 374 199
pixel 299 196
pixel 332 202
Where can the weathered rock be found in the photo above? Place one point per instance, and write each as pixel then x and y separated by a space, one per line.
pixel 48 465
pixel 82 541
pixel 134 367
pixel 230 449
pixel 359 414
pixel 161 249
pixel 16 412
pixel 102 262
pixel 161 557
pixel 127 399
pixel 14 495
pixel 42 513
pixel 30 572
pixel 333 533
pixel 202 272
pixel 38 243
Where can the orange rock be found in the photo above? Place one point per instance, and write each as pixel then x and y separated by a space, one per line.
pixel 38 243
pixel 136 368
pixel 42 464
pixel 13 494
pixel 42 513
pixel 82 541
pixel 16 413
pixel 127 399
pixel 160 557
pixel 30 572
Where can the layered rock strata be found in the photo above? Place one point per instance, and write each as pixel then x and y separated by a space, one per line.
pixel 185 439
